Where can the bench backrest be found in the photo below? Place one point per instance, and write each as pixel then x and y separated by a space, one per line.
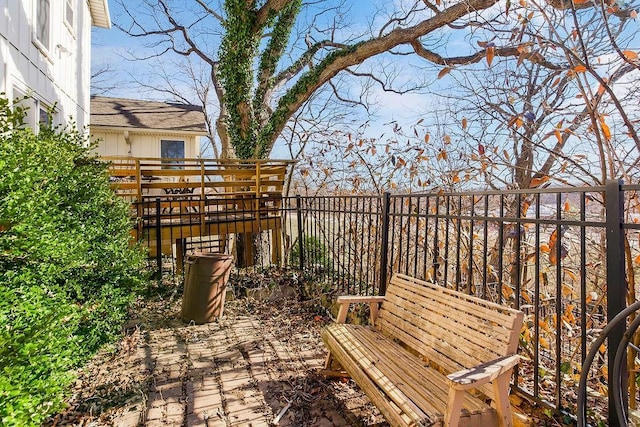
pixel 451 329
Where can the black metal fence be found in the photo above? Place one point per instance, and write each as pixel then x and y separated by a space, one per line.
pixel 558 254
pixel 565 256
pixel 173 225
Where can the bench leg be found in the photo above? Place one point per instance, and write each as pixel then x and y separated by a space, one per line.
pixel 332 368
pixel 454 406
pixel 501 395
pixel 328 361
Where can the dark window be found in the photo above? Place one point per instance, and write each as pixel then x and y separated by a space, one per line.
pixel 171 150
pixel 45 117
pixel 43 24
pixel 46 114
pixel 68 13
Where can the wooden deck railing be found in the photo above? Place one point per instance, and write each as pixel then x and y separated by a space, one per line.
pixel 136 177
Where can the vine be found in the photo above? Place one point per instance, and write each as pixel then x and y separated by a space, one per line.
pixel 251 129
pixel 274 50
pixel 283 112
pixel 237 51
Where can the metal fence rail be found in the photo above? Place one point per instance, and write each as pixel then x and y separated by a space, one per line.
pixel 338 238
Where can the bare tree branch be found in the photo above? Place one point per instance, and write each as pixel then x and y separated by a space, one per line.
pixel 385 87
pixel 515 52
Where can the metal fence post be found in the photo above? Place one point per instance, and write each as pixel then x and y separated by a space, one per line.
pixel 616 285
pixel 300 232
pixel 384 251
pixel 181 247
pixel 158 239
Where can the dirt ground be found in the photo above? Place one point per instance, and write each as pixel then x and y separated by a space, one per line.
pixel 256 366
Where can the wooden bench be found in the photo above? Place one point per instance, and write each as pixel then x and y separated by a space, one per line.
pixel 426 348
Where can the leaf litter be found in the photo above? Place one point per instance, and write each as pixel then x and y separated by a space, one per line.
pixel 117 386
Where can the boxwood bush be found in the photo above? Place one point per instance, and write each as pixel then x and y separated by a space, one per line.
pixel 68 270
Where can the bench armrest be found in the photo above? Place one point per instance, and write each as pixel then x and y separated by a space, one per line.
pixel 346 300
pixel 482 374
pixel 352 299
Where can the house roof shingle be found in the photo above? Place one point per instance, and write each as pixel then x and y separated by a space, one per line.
pixel 146 115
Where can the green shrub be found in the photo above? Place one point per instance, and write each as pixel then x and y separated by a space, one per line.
pixel 67 269
pixel 316 254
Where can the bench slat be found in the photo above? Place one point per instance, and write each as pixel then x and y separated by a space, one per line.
pixel 438 341
pixel 464 303
pixel 428 388
pixel 400 371
pixel 459 331
pixel 443 353
pixel 447 364
pixel 451 319
pixel 442 321
pixel 344 336
pixel 394 415
pixel 404 373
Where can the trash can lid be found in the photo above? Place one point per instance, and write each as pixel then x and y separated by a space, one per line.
pixel 210 255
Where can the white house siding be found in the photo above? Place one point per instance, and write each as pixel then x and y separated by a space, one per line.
pixel 113 143
pixel 58 76
pixel 110 144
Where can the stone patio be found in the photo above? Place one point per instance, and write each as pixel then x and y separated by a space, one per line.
pixel 255 366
